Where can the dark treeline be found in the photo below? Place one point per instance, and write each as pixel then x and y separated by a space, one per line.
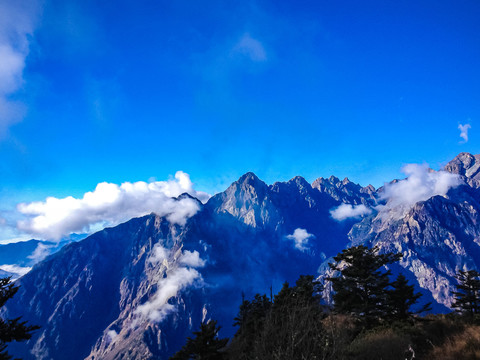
pixel 372 317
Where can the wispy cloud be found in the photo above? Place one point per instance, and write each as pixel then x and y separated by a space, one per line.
pixel 251 48
pixel 40 252
pixel 17 24
pixel 110 204
pixel 346 211
pixel 180 274
pixel 300 238
pixel 421 184
pixel 464 131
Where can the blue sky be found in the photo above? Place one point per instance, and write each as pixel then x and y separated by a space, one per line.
pixel 125 91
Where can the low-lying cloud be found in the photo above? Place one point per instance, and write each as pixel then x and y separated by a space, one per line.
pixel 180 274
pixel 347 211
pixel 110 204
pixel 16 270
pixel 421 184
pixel 300 238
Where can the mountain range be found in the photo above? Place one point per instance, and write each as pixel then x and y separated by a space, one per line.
pixel 16 259
pixel 137 290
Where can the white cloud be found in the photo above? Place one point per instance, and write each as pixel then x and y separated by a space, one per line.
pixel 464 131
pixel 159 254
pixel 15 269
pixel 421 184
pixel 40 252
pixel 110 204
pixel 346 211
pixel 300 238
pixel 251 48
pixel 112 334
pixel 17 23
pixel 157 308
pixel 192 259
pixel 181 274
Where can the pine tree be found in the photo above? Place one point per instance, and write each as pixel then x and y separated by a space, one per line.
pixel 252 312
pixel 250 320
pixel 13 329
pixel 467 296
pixel 401 298
pixel 361 287
pixel 289 328
pixel 204 346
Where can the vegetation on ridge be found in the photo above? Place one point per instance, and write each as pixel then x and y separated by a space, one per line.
pixel 372 318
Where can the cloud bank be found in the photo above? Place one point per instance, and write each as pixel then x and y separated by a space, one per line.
pixel 300 238
pixel 181 274
pixel 421 184
pixel 346 211
pixel 464 131
pixel 17 24
pixel 110 204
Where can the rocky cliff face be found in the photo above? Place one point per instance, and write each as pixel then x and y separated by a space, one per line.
pixel 137 291
pixel 467 166
pixel 437 236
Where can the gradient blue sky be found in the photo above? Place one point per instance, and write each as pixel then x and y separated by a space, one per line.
pixel 133 90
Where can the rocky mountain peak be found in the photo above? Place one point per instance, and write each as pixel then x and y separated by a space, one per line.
pixel 462 163
pixel 333 179
pixel 345 190
pixel 346 181
pixel 241 199
pixel 300 182
pixel 467 166
pixel 249 178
